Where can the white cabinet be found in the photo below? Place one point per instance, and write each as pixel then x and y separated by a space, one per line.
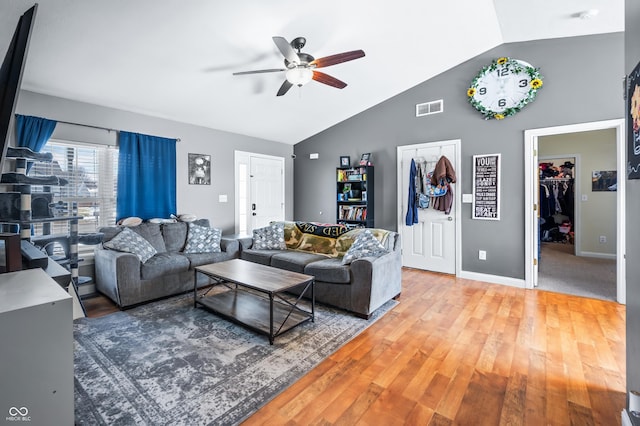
pixel 36 349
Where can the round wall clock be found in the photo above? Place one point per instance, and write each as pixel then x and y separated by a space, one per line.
pixel 504 87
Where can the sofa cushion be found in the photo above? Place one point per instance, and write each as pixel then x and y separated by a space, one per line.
pixel 131 242
pixel 270 237
pixel 201 239
pixel 262 257
pixel 198 259
pixel 175 234
pixel 294 260
pixel 330 271
pixel 164 264
pixel 365 245
pixel 151 232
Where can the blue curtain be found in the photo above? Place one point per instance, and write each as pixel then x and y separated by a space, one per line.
pixel 146 176
pixel 33 132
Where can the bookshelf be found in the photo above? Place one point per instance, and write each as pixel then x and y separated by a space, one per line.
pixel 355 196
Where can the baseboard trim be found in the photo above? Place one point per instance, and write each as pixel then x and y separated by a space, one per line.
pixel 493 279
pixel 597 255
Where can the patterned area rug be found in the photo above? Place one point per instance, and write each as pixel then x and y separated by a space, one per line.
pixel 168 363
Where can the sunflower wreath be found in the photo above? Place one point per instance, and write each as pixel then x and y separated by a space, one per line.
pixel 515 66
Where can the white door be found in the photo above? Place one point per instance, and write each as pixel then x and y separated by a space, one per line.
pixel 259 190
pixel 430 244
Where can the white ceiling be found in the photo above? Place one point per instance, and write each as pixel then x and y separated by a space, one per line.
pixel 174 59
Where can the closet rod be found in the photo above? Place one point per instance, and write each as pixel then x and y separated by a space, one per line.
pixel 108 129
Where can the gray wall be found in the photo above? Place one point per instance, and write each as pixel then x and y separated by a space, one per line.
pixel 632 57
pixel 582 83
pixel 201 200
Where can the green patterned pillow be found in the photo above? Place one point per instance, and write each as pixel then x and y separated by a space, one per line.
pixel 365 245
pixel 202 239
pixel 292 235
pixel 129 242
pixel 270 237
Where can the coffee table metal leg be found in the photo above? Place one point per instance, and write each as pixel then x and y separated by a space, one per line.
pixel 313 301
pixel 195 288
pixel 271 318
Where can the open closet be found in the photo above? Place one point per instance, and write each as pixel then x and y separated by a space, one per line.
pixel 557 200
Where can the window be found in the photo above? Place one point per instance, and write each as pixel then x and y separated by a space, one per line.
pixel 91 171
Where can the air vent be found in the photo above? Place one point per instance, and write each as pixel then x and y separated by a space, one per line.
pixel 429 108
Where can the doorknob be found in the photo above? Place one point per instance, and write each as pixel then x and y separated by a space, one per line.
pixel 253 206
pixel 449 218
pixel 253 214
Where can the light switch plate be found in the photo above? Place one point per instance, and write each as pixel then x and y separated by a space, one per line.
pixel 222 198
pixel 467 198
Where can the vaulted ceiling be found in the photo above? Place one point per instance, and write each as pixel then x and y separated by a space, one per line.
pixel 175 59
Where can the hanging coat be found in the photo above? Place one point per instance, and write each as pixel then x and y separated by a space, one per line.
pixel 444 172
pixel 412 208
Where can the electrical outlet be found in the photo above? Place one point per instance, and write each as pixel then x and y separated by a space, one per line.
pixel 603 239
pixel 482 255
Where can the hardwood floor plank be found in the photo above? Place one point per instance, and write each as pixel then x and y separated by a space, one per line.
pixel 457 351
pixel 513 408
pixel 485 394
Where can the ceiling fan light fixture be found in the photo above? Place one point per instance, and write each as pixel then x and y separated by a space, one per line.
pixel 299 76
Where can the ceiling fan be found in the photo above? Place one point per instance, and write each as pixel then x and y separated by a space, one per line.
pixel 301 67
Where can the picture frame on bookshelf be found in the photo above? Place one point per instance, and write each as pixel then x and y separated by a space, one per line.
pixel 365 160
pixel 345 161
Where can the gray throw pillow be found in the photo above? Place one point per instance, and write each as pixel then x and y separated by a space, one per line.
pixel 130 242
pixel 365 245
pixel 202 239
pixel 270 237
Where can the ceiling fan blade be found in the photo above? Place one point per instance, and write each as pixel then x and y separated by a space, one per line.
pixel 337 59
pixel 328 80
pixel 259 71
pixel 286 85
pixel 286 49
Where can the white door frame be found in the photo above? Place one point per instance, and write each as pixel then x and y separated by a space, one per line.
pixel 402 193
pixel 530 179
pixel 238 156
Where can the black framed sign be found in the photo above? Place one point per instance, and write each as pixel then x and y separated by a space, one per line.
pixel 199 169
pixel 486 187
pixel 633 124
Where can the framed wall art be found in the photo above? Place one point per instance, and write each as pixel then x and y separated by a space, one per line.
pixel 604 180
pixel 345 161
pixel 199 169
pixel 486 187
pixel 633 124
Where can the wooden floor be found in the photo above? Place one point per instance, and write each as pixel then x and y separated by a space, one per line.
pixel 464 352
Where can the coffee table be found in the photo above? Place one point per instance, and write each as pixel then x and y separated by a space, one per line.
pixel 254 296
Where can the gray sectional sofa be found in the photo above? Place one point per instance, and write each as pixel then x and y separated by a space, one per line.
pixel 127 281
pixel 359 287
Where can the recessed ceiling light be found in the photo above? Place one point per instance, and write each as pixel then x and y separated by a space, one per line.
pixel 588 14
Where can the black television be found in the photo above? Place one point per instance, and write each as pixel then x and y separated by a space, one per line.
pixel 11 76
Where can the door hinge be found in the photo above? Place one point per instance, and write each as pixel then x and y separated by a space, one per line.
pixel 535 152
pixel 535 207
pixel 535 262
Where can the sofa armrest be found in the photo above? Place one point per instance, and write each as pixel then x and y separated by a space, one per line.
pixel 114 272
pixel 375 281
pixel 230 246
